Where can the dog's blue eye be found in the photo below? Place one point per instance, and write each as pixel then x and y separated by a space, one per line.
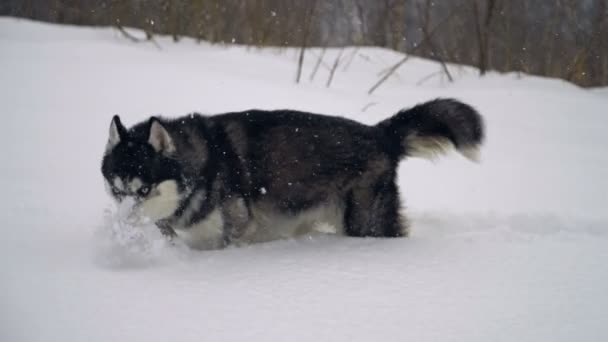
pixel 117 192
pixel 143 191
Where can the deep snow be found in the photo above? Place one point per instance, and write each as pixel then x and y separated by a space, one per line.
pixel 512 249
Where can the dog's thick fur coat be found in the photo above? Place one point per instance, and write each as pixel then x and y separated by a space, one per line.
pixel 239 176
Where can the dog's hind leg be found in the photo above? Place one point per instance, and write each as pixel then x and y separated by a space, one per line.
pixel 373 209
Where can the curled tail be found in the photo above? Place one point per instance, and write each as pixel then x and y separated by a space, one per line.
pixel 433 128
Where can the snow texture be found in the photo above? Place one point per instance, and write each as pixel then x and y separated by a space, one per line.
pixel 512 249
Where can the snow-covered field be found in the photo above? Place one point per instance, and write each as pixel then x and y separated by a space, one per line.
pixel 512 249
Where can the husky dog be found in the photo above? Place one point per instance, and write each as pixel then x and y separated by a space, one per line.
pixel 259 175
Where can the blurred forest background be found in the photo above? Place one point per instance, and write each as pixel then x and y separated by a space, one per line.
pixel 567 39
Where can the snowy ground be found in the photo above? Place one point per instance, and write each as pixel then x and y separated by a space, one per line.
pixel 512 249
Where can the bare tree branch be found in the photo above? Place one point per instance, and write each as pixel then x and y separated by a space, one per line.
pixel 305 34
pixel 134 39
pixel 319 61
pixel 350 59
pixel 334 67
pixel 388 74
pixel 430 43
pixel 368 106
pixel 127 34
pixel 428 77
pixel 406 57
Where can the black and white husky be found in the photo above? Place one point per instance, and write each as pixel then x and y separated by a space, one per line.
pixel 260 175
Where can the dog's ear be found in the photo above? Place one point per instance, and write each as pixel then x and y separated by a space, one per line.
pixel 159 138
pixel 118 132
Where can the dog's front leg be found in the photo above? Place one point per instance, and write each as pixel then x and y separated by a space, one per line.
pixel 166 229
pixel 236 217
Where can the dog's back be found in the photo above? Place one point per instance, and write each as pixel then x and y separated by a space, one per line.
pixel 302 159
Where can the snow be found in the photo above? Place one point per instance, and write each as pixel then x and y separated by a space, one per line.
pixel 511 249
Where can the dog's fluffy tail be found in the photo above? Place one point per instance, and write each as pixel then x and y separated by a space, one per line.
pixel 433 128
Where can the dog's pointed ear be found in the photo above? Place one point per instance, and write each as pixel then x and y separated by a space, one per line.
pixel 159 137
pixel 118 132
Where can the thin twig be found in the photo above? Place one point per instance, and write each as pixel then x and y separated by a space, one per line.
pixel 134 39
pixel 316 68
pixel 350 59
pixel 383 71
pixel 431 45
pixel 128 35
pixel 368 106
pixel 388 74
pixel 305 35
pixel 334 67
pixel 153 41
pixel 440 60
pixel 428 77
pixel 323 63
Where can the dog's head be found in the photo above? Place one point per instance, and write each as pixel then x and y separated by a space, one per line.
pixel 140 164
